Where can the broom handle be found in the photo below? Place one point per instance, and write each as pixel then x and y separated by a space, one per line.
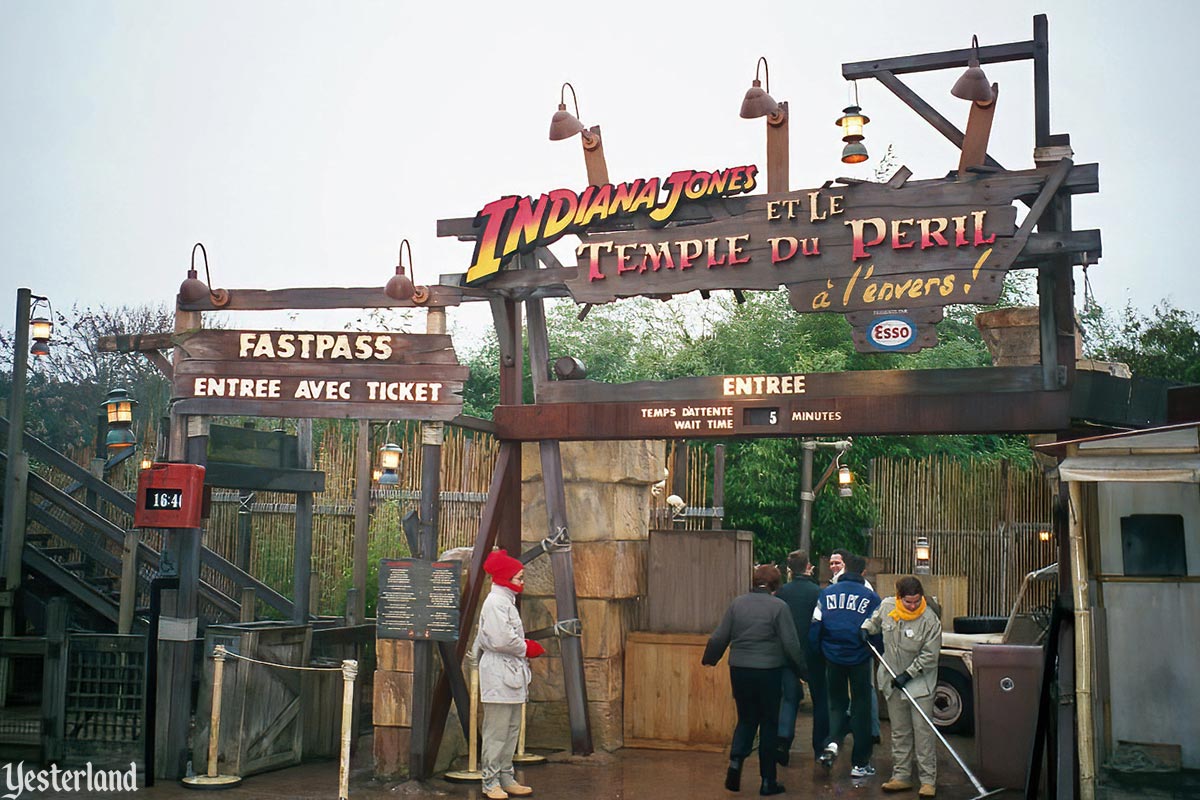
pixel 975 781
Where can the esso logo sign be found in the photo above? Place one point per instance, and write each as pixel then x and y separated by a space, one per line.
pixel 891 333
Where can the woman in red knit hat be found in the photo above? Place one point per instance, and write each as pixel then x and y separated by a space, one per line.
pixel 503 655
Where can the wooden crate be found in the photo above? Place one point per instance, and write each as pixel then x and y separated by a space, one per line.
pixel 262 714
pixel 692 577
pixel 672 701
pixel 950 591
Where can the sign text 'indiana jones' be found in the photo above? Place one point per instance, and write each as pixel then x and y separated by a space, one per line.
pixel 374 375
pixel 514 224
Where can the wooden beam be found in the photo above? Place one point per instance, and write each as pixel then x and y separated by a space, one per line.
pixel 135 343
pixel 322 297
pixel 926 111
pixel 302 563
pixel 946 59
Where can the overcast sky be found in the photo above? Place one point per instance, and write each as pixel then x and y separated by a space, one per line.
pixel 301 141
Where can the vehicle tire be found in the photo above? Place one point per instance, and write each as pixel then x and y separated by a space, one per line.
pixel 953 702
pixel 980 624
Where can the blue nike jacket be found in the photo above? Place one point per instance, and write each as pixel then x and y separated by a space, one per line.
pixel 841 610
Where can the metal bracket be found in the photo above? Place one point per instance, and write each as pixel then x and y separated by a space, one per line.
pixel 568 627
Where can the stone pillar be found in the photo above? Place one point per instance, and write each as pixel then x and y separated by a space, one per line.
pixel 608 505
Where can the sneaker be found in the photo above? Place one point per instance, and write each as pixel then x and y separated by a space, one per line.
pixel 897 785
pixel 828 755
pixel 865 771
pixel 517 790
pixel 495 793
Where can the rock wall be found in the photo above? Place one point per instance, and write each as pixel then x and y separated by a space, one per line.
pixel 608 512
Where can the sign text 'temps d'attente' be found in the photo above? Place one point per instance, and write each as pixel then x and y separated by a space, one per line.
pixel 375 375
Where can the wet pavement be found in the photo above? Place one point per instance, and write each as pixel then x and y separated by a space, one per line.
pixel 637 775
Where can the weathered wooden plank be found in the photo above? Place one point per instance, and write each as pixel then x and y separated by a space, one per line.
pixel 316 347
pixel 190 369
pixel 869 383
pixel 266 479
pixel 964 412
pixel 311 409
pixel 322 297
pixel 135 343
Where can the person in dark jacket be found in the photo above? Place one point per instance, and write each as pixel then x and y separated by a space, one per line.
pixel 841 610
pixel 800 594
pixel 761 638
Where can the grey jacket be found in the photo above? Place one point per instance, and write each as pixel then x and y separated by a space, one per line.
pixel 911 647
pixel 759 631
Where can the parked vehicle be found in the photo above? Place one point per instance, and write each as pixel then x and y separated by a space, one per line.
pixel 954 697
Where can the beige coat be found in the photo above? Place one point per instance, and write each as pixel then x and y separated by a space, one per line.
pixel 500 649
pixel 911 647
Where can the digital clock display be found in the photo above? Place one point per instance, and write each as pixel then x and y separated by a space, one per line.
pixel 164 499
pixel 761 416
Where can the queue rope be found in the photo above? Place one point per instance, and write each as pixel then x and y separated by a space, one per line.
pixel 214 780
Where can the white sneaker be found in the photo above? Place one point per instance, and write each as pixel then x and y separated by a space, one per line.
pixel 864 771
pixel 828 755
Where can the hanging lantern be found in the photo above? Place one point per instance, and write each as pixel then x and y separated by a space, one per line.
pixel 119 408
pixel 923 556
pixel 389 464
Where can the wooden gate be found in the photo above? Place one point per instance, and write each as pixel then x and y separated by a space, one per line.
pixel 104 713
pixel 262 724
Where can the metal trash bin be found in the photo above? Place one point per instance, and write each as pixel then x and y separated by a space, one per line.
pixel 1008 684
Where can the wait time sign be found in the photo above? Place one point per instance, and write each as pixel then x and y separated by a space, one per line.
pixel 319 374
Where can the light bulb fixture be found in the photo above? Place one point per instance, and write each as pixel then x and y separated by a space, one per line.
pixel 40 327
pixel 563 125
pixel 376 474
pixel 922 555
pixel 973 84
pixel 389 463
pixel 194 290
pixel 400 286
pixel 1044 535
pixel 852 123
pixel 758 101
pixel 147 463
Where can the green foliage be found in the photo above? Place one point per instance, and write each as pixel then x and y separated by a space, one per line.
pixel 64 390
pixel 1162 344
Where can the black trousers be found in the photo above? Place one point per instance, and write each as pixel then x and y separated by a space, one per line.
pixel 756 694
pixel 850 687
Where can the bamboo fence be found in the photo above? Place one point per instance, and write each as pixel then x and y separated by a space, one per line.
pixel 988 520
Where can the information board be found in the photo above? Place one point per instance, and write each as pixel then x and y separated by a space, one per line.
pixel 418 599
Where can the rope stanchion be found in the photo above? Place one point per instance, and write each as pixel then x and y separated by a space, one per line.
pixel 521 757
pixel 349 673
pixel 472 773
pixel 213 780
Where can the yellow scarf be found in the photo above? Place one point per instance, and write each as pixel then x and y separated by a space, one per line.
pixel 900 613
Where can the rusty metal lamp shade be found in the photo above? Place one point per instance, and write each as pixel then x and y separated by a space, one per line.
pixel 194 290
pixel 39 349
pixel 401 286
pixel 757 103
pixel 854 153
pixel 973 84
pixel 564 124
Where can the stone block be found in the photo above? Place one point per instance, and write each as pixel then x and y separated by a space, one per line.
pixel 595 511
pixel 603 678
pixel 601 569
pixel 548 725
pixel 636 462
pixel 605 623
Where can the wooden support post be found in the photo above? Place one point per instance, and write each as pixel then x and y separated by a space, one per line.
pixel 314 595
pixel 362 519
pixel 718 522
pixel 560 558
pixel 1083 647
pixel 302 566
pixel 248 603
pixel 777 150
pixel 593 157
pixel 54 679
pixel 349 673
pixel 245 526
pixel 512 362
pixel 129 573
pixel 12 546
